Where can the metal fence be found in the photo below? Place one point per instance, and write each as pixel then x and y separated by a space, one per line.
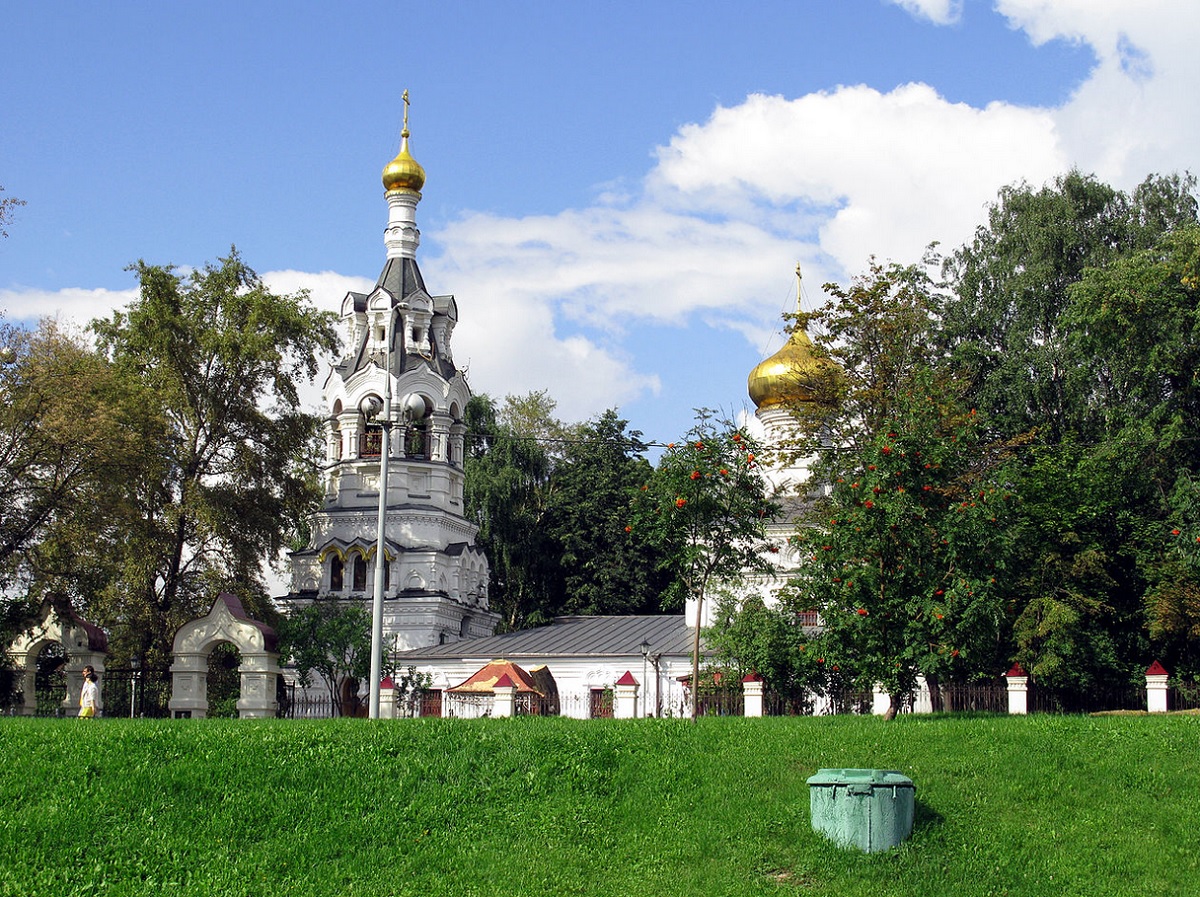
pixel 130 693
pixel 1051 700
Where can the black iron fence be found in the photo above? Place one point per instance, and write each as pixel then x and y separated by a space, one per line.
pixel 1043 699
pixel 131 693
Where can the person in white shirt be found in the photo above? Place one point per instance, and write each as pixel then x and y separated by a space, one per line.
pixel 89 694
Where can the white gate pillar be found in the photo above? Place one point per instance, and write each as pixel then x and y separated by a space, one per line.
pixel 504 703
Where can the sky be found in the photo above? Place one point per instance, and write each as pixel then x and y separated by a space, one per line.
pixel 617 193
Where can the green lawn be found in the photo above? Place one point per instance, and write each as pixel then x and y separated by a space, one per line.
pixel 1026 806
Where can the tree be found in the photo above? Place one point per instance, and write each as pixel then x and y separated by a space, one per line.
pixel 221 358
pixel 905 551
pixel 1135 325
pixel 706 507
pixel 507 495
pixel 1011 285
pixel 1060 331
pixel 605 568
pixel 754 638
pixel 332 639
pixel 8 205
pixel 70 432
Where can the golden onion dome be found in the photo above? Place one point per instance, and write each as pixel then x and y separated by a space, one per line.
pixel 786 377
pixel 789 377
pixel 403 172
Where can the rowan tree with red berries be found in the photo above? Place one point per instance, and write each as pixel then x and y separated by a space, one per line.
pixel 905 556
pixel 705 507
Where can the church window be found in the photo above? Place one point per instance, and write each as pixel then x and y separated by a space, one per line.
pixel 360 573
pixel 336 573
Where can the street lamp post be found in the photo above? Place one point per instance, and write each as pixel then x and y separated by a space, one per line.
pixel 382 411
pixel 413 408
pixel 645 646
pixel 135 668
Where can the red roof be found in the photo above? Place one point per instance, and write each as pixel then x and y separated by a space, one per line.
pixel 486 679
pixel 753 676
pixel 1016 670
pixel 627 679
pixel 1157 669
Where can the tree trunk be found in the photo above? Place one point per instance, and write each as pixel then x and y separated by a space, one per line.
pixel 893 707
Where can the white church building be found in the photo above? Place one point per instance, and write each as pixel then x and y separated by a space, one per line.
pixel 436 617
pixel 398 345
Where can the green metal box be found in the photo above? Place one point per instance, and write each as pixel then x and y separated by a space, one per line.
pixel 871 809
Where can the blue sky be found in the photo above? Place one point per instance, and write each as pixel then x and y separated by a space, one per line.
pixel 617 192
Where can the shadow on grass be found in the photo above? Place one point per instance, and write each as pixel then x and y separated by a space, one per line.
pixel 925 817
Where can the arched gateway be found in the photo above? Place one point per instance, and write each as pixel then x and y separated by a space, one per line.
pixel 81 642
pixel 256 642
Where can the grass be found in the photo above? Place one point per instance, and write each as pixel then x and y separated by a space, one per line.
pixel 1039 805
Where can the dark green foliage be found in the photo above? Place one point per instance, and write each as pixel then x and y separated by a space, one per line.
pixel 552 505
pixel 606 569
pixel 73 432
pixel 1011 284
pixel 753 638
pixel 1074 321
pixel 905 555
pixel 508 481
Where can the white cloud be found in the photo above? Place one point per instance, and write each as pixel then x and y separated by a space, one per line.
pixel 895 170
pixel 72 304
pixel 940 12
pixel 1136 113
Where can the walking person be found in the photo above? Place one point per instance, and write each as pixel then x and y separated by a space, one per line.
pixel 89 694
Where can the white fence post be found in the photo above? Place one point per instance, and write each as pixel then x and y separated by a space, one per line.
pixel 625 696
pixel 387 698
pixel 752 695
pixel 1018 690
pixel 1156 688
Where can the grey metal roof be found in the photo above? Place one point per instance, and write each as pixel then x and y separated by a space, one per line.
pixel 573 637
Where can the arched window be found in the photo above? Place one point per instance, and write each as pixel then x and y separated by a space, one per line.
pixel 360 573
pixel 336 574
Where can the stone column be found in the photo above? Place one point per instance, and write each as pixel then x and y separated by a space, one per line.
pixel 1156 688
pixel 625 696
pixel 1018 690
pixel 258 673
pixel 505 702
pixel 189 686
pixel 752 695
